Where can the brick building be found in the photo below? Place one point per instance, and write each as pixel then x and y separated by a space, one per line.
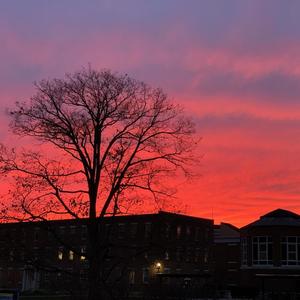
pixel 270 254
pixel 142 253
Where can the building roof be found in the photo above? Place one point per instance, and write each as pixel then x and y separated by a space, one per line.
pixel 281 213
pixel 277 217
pixel 226 233
pixel 118 218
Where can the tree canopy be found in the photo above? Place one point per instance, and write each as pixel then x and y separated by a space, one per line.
pixel 110 139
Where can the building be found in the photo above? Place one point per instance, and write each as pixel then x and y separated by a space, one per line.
pixel 270 255
pixel 226 256
pixel 141 253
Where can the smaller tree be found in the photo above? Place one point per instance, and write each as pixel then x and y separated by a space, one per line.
pixel 107 141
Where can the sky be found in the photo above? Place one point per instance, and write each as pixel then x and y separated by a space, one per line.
pixel 234 65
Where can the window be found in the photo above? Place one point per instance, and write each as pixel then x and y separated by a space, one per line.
pixel 7 234
pixel 73 229
pixel 23 234
pixel 36 253
pixel 290 250
pixel 205 257
pixel 60 253
pixel 147 230
pixel 244 251
pixel 109 253
pixel 188 231
pixel 107 229
pixel 68 275
pixel 197 234
pixel 167 231
pixel 71 255
pixel 188 254
pixel 82 275
pixel 131 276
pixel 145 275
pixel 262 253
pixel 13 234
pixel 11 255
pixel 121 230
pixel 83 232
pixel 83 253
pixel 36 234
pixel 46 276
pixel 62 230
pixel 207 233
pixel 133 229
pixel 197 255
pixel 167 255
pixel 178 231
pixel 49 234
pixel 166 280
pixel 178 253
pixel 48 251
pixel 22 255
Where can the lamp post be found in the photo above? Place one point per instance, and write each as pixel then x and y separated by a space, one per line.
pixel 158 267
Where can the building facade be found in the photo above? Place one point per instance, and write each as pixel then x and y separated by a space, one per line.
pixel 160 255
pixel 270 254
pixel 141 253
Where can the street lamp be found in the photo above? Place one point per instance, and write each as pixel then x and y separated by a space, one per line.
pixel 158 267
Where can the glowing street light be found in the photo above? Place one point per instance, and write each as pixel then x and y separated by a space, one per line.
pixel 158 267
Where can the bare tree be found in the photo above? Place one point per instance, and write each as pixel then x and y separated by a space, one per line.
pixel 106 139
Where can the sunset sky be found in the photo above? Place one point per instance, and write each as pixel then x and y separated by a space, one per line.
pixel 233 65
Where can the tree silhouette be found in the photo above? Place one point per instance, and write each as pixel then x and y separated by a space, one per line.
pixel 106 141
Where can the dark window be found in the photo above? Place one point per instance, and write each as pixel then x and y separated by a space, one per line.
pixel 36 234
pixel 178 231
pixel 188 232
pixel 73 229
pixel 167 231
pixel 61 230
pixel 83 232
pixel 178 254
pixel 262 253
pixel 290 250
pixel 133 229
pixel 131 276
pixel 197 234
pixel 145 275
pixel 148 229
pixel 121 230
pixel 197 254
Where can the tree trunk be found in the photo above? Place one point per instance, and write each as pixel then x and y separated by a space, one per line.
pixel 94 290
pixel 93 277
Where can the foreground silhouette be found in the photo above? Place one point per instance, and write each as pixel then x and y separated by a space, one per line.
pixel 108 141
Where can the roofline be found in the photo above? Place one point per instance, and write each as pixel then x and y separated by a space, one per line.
pixel 111 217
pixel 267 215
pixel 231 226
pixel 184 216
